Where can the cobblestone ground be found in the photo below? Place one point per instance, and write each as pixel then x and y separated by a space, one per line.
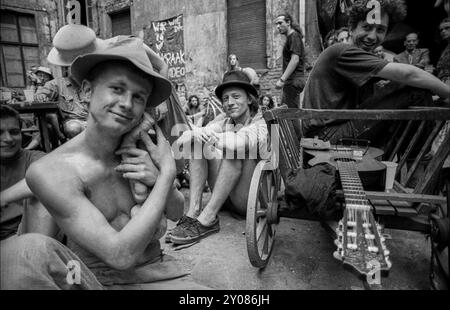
pixel 302 259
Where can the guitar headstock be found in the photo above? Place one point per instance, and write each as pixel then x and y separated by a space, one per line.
pixel 360 243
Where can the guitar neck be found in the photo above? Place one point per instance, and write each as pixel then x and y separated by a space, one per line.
pixel 354 194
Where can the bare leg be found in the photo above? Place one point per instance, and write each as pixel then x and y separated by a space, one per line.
pixel 198 170
pixel 228 177
pixel 239 194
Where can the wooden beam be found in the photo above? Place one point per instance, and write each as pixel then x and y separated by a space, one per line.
pixel 403 114
pixel 406 197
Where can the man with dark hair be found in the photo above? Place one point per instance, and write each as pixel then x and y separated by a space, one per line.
pixel 14 162
pixel 84 184
pixel 344 76
pixel 419 57
pixel 231 148
pixel 292 79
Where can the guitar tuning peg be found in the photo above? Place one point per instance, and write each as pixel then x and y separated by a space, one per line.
pixel 338 254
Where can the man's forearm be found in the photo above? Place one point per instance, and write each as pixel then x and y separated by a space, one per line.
pixel 413 76
pixel 422 79
pixel 18 191
pixel 290 67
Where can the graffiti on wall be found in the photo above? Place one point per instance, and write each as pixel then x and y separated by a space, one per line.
pixel 166 39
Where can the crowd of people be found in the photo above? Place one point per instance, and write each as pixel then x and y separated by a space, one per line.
pixel 81 200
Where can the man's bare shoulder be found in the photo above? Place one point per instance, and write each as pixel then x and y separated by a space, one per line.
pixel 60 171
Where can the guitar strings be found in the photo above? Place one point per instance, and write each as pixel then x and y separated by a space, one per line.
pixel 358 203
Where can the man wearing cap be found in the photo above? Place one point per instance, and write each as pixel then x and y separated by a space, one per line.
pixel 39 76
pixel 84 185
pixel 231 148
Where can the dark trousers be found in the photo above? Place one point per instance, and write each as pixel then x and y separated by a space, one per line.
pixel 291 97
pixel 394 96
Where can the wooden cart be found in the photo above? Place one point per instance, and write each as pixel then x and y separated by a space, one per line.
pixel 417 208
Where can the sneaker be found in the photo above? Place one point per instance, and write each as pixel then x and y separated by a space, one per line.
pixel 193 231
pixel 183 221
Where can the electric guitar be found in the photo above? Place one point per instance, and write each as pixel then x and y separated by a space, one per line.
pixel 359 242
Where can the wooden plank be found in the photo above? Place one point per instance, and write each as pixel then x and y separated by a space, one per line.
pixel 433 167
pixel 408 197
pixel 43 125
pixel 405 212
pixel 382 207
pixel 410 147
pixel 403 114
pixel 399 126
pixel 430 138
pixel 400 188
pixel 417 223
pixel 45 107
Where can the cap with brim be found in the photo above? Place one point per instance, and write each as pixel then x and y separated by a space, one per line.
pixel 45 70
pixel 235 78
pixel 131 50
pixel 71 41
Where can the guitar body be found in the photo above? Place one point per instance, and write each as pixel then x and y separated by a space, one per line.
pixel 371 171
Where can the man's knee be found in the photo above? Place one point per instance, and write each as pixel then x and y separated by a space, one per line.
pixel 27 246
pixel 24 257
pixel 233 165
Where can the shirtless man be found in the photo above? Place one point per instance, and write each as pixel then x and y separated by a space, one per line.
pixel 84 185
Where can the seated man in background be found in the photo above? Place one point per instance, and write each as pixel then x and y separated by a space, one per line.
pixel 344 77
pixel 419 57
pixel 14 164
pixel 39 76
pixel 84 185
pixel 229 149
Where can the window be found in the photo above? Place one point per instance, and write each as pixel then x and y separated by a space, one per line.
pixel 19 47
pixel 247 32
pixel 121 23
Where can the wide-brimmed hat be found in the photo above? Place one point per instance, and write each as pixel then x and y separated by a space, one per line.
pixel 131 50
pixel 71 41
pixel 235 78
pixel 45 70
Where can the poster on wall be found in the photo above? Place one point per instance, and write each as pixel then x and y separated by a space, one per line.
pixel 165 37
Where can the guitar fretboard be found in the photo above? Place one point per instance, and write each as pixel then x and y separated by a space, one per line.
pixel 355 196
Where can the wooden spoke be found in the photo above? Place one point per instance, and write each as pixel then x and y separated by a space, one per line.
pixel 260 213
pixel 260 232
pixel 260 229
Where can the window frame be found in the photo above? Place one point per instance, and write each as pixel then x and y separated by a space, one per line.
pixel 21 45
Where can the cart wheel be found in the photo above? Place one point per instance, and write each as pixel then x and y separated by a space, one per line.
pixel 262 215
